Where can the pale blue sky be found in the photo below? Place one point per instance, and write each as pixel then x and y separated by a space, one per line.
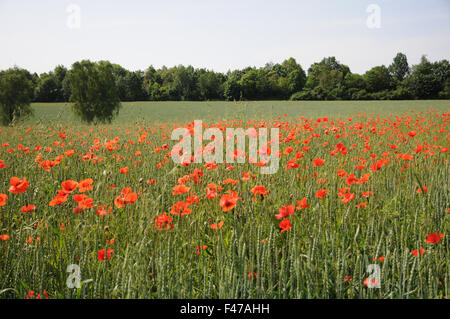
pixel 220 34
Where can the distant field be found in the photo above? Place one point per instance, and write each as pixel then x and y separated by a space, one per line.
pixel 184 111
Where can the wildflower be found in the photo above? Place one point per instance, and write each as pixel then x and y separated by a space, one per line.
pixel 180 207
pixel 58 200
pixel 415 252
pixel 217 226
pixel 28 209
pixel 285 225
pixel 302 204
pixel 259 190
pixel 180 189
pixel 229 201
pixel 321 193
pixel 318 162
pixel 199 248
pixel 103 210
pixel 419 190
pixel 18 185
pixel 163 222
pixel 85 185
pixel 126 196
pixel 101 254
pixel 434 238
pixel 285 211
pixel 69 186
pixel 3 198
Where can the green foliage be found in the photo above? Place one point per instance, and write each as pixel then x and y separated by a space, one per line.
pixel 399 68
pixel 428 79
pixel 16 92
pixel 93 91
pixel 50 86
pixel 326 80
pixel 378 79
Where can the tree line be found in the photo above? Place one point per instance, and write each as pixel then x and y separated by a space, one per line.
pixel 97 88
pixel 325 80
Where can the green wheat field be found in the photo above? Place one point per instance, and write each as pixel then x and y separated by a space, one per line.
pixel 359 184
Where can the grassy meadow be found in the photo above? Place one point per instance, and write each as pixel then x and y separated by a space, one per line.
pixel 359 183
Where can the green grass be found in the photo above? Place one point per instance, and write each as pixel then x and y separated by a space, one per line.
pixel 189 111
pixel 327 242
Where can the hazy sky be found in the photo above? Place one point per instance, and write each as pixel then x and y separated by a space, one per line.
pixel 219 35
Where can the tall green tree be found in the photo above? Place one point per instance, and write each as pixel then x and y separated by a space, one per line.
pixel 16 92
pixel 50 86
pixel 210 85
pixel 399 68
pixel 425 80
pixel 232 89
pixel 327 78
pixel 93 91
pixel 378 79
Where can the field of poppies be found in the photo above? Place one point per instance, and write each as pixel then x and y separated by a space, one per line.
pixel 104 212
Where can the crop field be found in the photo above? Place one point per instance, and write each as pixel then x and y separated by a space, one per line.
pixel 359 207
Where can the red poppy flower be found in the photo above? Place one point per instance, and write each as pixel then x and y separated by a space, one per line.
pixel 285 225
pixel 425 189
pixel 58 200
pixel 180 207
pixel 163 222
pixel 229 201
pixel 347 197
pixel 302 204
pixel 285 211
pixel 126 196
pixel 69 186
pixel 103 210
pixel 3 198
pixel 28 209
pixel 318 162
pixel 259 190
pixel 180 189
pixel 434 238
pixel 321 193
pixel 101 254
pixel 84 204
pixel 415 252
pixel 199 248
pixel 18 185
pixel 217 226
pixel 85 185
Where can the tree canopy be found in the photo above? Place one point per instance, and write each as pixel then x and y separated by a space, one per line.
pixel 93 91
pixel 327 79
pixel 16 92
